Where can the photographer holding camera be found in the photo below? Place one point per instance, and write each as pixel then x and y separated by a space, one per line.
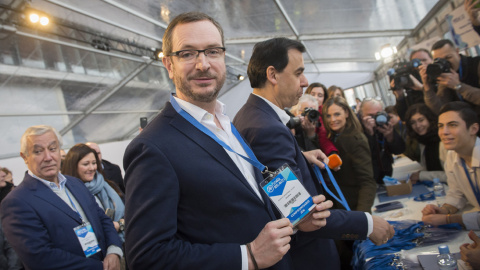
pixel 405 81
pixel 304 121
pixel 452 77
pixel 382 138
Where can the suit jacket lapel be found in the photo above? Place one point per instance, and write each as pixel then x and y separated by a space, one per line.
pixel 45 193
pixel 73 188
pixel 207 143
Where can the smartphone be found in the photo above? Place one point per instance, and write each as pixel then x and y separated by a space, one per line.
pixel 388 206
pixel 143 122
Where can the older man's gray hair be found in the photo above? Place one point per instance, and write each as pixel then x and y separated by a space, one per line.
pixel 37 131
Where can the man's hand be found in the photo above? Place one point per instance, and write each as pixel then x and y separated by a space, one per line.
pixel 316 157
pixel 435 219
pixel 472 11
pixel 387 131
pixel 272 243
pixel 111 262
pixel 471 252
pixel 415 177
pixel 318 219
pixel 432 209
pixel 449 80
pixel 308 127
pixel 382 231
pixel 417 86
pixel 369 124
pixel 422 69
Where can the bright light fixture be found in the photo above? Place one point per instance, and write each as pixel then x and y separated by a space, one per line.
pixel 44 20
pixel 34 18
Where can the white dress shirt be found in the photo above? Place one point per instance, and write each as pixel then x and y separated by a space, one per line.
pixel 225 134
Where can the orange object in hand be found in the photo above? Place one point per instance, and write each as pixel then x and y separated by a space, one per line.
pixel 334 161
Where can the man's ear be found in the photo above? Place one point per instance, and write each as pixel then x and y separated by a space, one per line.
pixel 24 157
pixel 272 75
pixel 473 130
pixel 167 62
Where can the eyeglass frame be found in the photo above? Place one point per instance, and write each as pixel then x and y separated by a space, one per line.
pixel 176 53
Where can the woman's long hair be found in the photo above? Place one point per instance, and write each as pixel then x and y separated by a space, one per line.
pixel 77 153
pixel 351 122
pixel 425 111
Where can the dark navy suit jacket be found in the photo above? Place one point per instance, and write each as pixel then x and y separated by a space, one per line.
pixel 187 204
pixel 39 226
pixel 274 145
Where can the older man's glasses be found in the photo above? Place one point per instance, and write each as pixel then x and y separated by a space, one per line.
pixel 190 55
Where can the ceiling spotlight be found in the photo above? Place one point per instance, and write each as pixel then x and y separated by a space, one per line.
pixel 158 54
pixel 44 20
pixel 38 17
pixel 386 52
pixel 240 77
pixel 34 17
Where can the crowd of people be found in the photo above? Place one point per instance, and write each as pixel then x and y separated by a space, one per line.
pixel 192 195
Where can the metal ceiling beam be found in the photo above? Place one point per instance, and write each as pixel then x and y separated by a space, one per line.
pixel 154 21
pixel 94 105
pixel 295 31
pixel 86 48
pixel 345 60
pixel 74 113
pixel 135 13
pixel 325 36
pixel 88 14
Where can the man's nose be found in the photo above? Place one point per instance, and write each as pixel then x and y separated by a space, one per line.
pixel 201 62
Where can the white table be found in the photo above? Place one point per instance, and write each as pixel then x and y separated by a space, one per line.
pixel 402 168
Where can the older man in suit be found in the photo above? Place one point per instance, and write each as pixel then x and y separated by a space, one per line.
pixel 46 217
pixel 191 203
pixel 276 74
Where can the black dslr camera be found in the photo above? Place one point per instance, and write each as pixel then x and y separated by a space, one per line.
pixel 434 70
pixel 400 73
pixel 381 118
pixel 309 113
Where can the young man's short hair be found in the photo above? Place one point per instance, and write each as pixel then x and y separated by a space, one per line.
pixel 463 109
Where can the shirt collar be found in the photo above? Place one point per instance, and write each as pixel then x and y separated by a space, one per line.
pixel 62 180
pixel 197 112
pixel 284 117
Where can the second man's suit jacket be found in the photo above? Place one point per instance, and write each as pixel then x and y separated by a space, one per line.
pixel 188 206
pixel 274 145
pixel 39 226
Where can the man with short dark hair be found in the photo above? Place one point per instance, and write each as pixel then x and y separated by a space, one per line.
pixel 276 75
pixel 414 94
pixel 191 201
pixel 51 220
pixel 457 128
pixel 462 83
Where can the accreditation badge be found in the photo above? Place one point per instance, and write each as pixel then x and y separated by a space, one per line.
pixel 288 194
pixel 87 238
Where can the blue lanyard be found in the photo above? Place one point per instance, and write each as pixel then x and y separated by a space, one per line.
pixel 83 221
pixel 475 187
pixel 319 176
pixel 252 159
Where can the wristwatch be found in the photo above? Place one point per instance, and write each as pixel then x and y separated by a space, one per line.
pixel 458 86
pixel 121 224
